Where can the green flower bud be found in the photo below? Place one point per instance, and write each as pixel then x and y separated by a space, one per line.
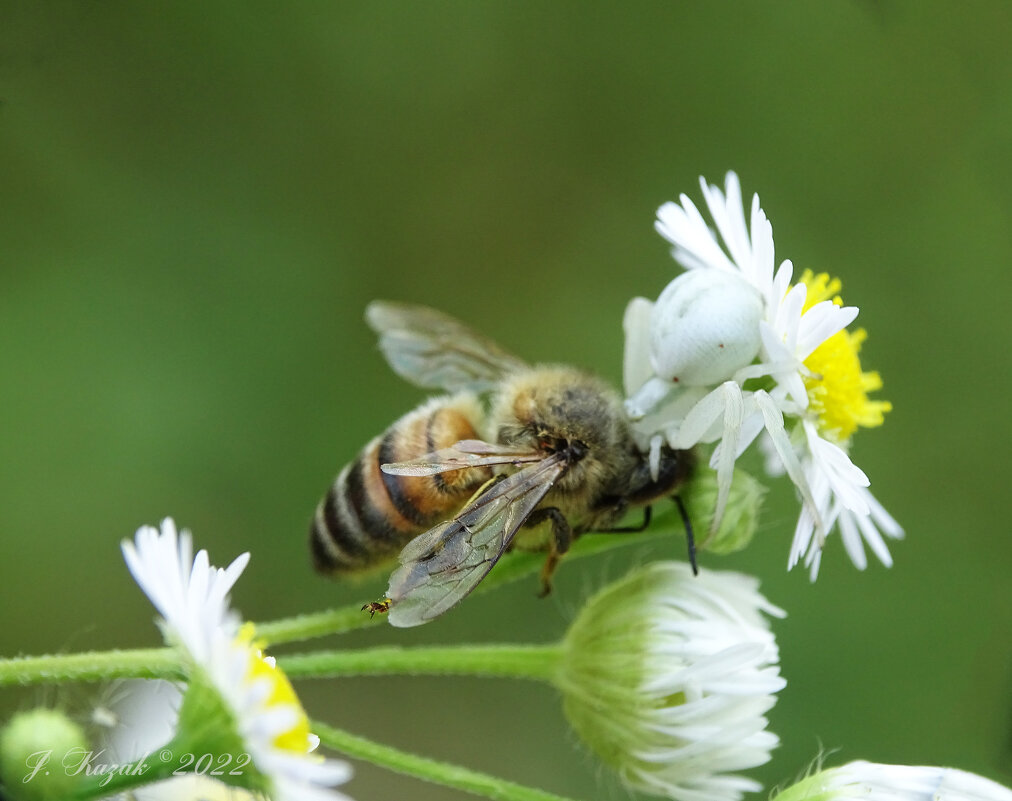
pixel 667 677
pixel 741 516
pixel 33 747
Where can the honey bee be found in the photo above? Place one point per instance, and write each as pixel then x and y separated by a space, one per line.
pixel 516 455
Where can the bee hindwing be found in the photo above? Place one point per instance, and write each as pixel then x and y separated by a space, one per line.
pixel 440 567
pixel 435 351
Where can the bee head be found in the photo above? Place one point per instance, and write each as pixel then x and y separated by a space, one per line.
pixel 573 449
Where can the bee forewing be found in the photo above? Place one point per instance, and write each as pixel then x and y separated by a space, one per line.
pixel 433 350
pixel 440 567
pixel 430 600
pixel 464 454
pixel 479 446
pixel 424 544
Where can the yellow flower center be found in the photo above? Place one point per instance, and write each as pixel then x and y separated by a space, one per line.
pixel 837 388
pixel 282 693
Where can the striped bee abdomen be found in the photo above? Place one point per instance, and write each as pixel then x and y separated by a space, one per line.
pixel 367 515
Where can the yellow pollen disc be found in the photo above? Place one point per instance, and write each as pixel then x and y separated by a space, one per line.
pixel 821 287
pixel 296 739
pixel 838 389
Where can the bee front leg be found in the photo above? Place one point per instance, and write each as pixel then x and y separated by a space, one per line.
pixel 689 536
pixel 618 513
pixel 562 537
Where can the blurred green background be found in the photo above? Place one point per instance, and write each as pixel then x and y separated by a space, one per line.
pixel 198 200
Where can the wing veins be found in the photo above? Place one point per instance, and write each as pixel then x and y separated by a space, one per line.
pixel 446 563
pixel 432 349
pixel 460 456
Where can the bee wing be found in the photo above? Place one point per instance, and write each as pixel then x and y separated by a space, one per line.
pixel 440 567
pixel 433 350
pixel 463 454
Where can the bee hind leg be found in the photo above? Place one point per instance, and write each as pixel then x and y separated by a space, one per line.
pixel 562 537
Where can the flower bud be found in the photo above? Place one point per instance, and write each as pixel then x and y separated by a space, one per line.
pixel 868 781
pixel 704 327
pixel 741 515
pixel 667 677
pixel 33 747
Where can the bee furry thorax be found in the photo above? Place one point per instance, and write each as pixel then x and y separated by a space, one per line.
pixel 569 408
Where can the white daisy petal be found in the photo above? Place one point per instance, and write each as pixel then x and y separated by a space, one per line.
pixel 871 527
pixel 762 249
pixel 813 564
pixel 873 537
pixel 778 436
pixel 730 221
pixel 782 279
pixel 844 498
pixel 787 318
pixel 819 323
pixel 694 244
pixel 192 597
pixel 841 472
pixel 882 518
pixel 852 541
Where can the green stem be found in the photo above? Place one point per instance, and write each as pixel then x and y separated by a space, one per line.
pixel 431 770
pixel 511 567
pixel 145 770
pixel 142 663
pixel 163 663
pixel 315 624
pixel 538 662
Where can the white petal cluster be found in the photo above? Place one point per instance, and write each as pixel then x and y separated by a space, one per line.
pixel 842 498
pixel 192 597
pixel 731 317
pixel 190 594
pixel 668 678
pixel 869 781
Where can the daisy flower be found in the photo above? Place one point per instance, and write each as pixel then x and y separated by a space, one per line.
pixel 667 677
pixel 732 348
pixel 868 781
pixel 237 700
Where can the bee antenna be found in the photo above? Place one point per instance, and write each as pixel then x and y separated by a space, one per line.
pixel 688 532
